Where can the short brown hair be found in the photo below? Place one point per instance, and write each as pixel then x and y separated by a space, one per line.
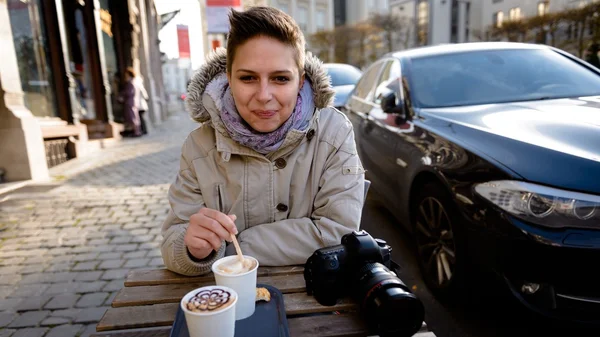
pixel 268 22
pixel 130 71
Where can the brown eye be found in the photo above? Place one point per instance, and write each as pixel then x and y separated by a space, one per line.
pixel 247 78
pixel 282 79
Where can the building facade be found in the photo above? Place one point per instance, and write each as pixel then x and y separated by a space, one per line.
pixel 62 70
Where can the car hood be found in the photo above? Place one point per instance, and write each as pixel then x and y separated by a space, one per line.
pixel 341 94
pixel 555 142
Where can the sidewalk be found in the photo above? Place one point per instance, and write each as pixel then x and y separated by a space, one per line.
pixel 66 248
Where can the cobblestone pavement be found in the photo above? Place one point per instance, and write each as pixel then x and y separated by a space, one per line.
pixel 66 248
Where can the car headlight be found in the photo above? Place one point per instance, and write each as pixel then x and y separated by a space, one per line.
pixel 543 205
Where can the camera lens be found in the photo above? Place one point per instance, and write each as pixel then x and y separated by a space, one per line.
pixel 389 307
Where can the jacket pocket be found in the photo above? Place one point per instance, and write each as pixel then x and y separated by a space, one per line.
pixel 221 197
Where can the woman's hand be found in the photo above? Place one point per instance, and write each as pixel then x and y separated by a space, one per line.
pixel 206 230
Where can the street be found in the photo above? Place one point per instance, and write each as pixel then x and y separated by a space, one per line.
pixel 495 314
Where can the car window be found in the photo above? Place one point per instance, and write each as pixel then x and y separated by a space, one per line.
pixel 499 76
pixel 343 75
pixel 391 71
pixel 364 87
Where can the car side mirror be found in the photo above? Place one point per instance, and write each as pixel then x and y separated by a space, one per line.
pixel 391 104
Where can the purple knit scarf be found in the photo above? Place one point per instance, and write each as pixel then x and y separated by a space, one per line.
pixel 241 132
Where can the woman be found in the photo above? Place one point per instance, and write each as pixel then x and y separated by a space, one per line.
pixel 272 161
pixel 130 110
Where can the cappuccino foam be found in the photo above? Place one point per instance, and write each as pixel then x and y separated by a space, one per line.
pixel 210 300
pixel 236 267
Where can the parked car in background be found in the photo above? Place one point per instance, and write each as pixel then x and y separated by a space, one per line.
pixel 489 154
pixel 343 78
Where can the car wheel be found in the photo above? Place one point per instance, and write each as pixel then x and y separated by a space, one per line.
pixel 437 236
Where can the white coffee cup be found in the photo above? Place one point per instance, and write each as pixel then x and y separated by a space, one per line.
pixel 215 323
pixel 244 284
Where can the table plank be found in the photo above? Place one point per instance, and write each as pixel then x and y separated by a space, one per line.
pixel 138 317
pixel 327 326
pixel 164 314
pixel 170 293
pixel 145 332
pixel 163 276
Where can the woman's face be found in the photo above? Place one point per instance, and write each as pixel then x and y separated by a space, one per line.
pixel 265 81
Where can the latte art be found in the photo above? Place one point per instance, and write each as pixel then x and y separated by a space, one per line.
pixel 210 300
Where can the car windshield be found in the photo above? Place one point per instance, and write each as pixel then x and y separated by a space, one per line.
pixel 499 76
pixel 343 75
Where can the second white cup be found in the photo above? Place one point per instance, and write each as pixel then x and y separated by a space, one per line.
pixel 244 285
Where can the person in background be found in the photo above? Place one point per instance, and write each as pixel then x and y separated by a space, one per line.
pixel 141 101
pixel 272 160
pixel 130 110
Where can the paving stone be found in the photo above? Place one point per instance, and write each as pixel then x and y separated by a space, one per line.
pixel 29 290
pixel 10 303
pixel 60 267
pixel 110 256
pixel 30 332
pixel 104 248
pixel 117 240
pixel 110 299
pixel 8 332
pixel 5 291
pixel 69 314
pixel 91 287
pixel 111 264
pixel 114 285
pixel 91 300
pixel 135 255
pixel 154 253
pixel 10 279
pixel 150 245
pixel 156 262
pixel 33 268
pixel 136 263
pixel 90 315
pixel 6 318
pixel 126 248
pixel 139 231
pixel 89 276
pixel 53 321
pixel 33 303
pixel 29 319
pixel 61 288
pixel 65 331
pixel 63 301
pixel 85 257
pixel 142 238
pixel 82 266
pixel 7 270
pixel 98 242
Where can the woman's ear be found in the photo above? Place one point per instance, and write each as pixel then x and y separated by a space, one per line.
pixel 301 81
pixel 229 78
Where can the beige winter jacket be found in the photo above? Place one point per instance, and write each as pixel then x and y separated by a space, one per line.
pixel 289 203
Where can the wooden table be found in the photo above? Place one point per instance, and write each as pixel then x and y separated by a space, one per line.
pixel 147 305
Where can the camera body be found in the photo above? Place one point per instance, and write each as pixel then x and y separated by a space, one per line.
pixel 329 270
pixel 360 267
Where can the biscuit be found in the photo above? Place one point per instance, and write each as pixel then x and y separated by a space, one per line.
pixel 263 294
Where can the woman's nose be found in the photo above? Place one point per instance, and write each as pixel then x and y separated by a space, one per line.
pixel 264 93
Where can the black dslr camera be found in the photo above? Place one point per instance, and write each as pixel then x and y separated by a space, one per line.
pixel 360 267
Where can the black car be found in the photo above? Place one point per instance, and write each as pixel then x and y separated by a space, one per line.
pixel 489 154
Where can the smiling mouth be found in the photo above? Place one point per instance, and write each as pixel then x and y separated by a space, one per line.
pixel 265 113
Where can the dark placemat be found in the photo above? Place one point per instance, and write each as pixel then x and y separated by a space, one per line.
pixel 268 320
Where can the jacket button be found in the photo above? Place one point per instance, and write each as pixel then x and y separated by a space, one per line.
pixel 282 208
pixel 310 134
pixel 280 163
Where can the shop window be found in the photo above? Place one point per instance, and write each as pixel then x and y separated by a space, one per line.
pixel 33 57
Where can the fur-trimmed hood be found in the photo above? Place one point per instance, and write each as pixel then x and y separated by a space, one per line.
pixel 216 64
